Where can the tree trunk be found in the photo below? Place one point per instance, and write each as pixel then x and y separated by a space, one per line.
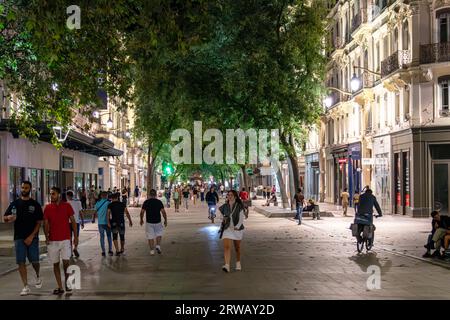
pixel 284 198
pixel 150 170
pixel 292 189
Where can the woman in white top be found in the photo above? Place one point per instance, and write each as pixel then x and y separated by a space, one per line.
pixel 233 228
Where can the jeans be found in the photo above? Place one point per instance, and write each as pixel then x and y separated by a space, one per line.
pixel 102 228
pixel 299 214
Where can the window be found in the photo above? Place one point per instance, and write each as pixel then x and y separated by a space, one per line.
pixel 405 36
pixel 406 104
pixel 395 41
pixel 385 47
pixel 443 27
pixel 397 108
pixel 378 59
pixel 444 84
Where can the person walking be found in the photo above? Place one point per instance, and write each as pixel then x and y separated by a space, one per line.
pixel 186 195
pixel 202 193
pixel 345 196
pixel 101 208
pixel 167 195
pixel 27 215
pixel 243 195
pixel 83 199
pixel 176 199
pixel 91 197
pixel 232 227
pixel 194 194
pixel 57 235
pixel 136 196
pixel 299 200
pixel 356 201
pixel 268 192
pixel 78 215
pixel 153 208
pixel 125 196
pixel 116 222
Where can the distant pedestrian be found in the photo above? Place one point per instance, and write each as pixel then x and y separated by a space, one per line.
pixel 57 235
pixel 78 215
pixel 101 208
pixel 202 193
pixel 125 196
pixel 91 197
pixel 116 222
pixel 194 194
pixel 167 195
pixel 26 213
pixel 83 199
pixel 176 199
pixel 356 201
pixel 268 192
pixel 233 228
pixel 153 208
pixel 186 195
pixel 299 200
pixel 345 197
pixel 136 196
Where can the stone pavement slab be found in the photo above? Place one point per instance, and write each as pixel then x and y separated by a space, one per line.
pixel 281 260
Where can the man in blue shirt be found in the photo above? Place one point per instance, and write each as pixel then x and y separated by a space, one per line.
pixel 101 208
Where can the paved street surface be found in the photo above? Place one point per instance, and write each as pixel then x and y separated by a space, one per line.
pixel 280 260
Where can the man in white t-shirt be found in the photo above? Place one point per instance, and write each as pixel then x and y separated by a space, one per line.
pixel 78 215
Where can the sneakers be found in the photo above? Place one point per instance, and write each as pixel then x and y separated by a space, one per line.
pixel 110 253
pixel 25 291
pixel 103 254
pixel 158 249
pixel 226 268
pixel 238 266
pixel 75 252
pixel 152 252
pixel 426 255
pixel 38 283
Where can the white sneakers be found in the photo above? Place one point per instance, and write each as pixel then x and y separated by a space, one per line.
pixel 152 252
pixel 226 267
pixel 38 283
pixel 158 249
pixel 25 291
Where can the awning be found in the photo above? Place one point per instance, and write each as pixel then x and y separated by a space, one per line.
pixel 78 141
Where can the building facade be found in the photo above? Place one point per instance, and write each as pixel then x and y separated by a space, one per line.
pixel 390 129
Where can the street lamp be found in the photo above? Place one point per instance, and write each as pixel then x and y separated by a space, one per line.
pixel 109 123
pixel 355 83
pixel 328 101
pixel 61 137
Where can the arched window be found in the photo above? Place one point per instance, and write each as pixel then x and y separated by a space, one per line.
pixel 406 35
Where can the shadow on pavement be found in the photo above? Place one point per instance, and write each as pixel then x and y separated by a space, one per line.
pixel 365 260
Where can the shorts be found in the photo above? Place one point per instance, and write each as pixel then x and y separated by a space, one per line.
pixel 23 251
pixel 154 230
pixel 59 250
pixel 118 229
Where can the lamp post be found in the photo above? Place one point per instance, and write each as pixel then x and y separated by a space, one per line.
pixel 61 137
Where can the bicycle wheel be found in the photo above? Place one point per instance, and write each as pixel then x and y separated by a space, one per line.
pixel 369 242
pixel 360 244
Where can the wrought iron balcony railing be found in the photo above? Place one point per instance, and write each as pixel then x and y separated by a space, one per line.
pixel 435 52
pixel 396 61
pixel 359 19
pixel 367 80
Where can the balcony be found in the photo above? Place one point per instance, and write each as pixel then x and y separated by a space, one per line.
pixel 359 19
pixel 399 60
pixel 435 52
pixel 367 80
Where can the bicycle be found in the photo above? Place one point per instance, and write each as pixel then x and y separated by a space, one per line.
pixel 368 234
pixel 211 213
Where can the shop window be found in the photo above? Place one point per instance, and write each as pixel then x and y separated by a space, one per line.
pixel 440 152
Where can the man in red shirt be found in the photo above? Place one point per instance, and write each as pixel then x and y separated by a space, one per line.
pixel 57 235
pixel 244 197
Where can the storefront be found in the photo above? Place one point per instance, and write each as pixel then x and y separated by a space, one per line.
pixel 440 164
pixel 382 173
pixel 354 169
pixel 40 164
pixel 341 163
pixel 312 174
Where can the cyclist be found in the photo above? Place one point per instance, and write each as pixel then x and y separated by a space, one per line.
pixel 212 198
pixel 364 216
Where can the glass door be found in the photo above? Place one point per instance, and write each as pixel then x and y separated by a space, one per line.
pixel 440 187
